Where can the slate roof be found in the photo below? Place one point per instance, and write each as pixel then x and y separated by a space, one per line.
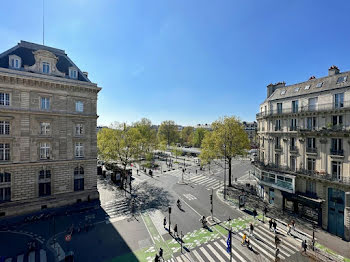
pixel 25 51
pixel 329 83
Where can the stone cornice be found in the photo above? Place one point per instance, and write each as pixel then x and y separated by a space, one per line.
pixel 44 163
pixel 10 76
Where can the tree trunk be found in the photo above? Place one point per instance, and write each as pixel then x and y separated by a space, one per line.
pixel 229 172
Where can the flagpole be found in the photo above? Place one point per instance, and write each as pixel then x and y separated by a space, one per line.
pixel 231 244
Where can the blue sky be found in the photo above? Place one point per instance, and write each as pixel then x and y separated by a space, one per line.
pixel 191 61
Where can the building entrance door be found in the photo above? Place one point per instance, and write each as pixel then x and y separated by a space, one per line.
pixel 336 205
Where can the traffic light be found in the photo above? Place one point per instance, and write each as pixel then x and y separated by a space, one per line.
pixel 169 210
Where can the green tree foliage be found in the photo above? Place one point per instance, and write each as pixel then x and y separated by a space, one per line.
pixel 227 140
pixel 176 151
pixel 120 144
pixel 168 132
pixel 187 135
pixel 148 140
pixel 198 136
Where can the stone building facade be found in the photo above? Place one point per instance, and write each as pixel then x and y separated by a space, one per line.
pixel 47 130
pixel 304 150
pixel 251 129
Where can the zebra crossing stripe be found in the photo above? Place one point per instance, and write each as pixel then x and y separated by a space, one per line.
pixel 291 248
pixel 209 180
pixel 285 232
pixel 206 254
pixel 200 179
pixel 179 259
pixel 194 177
pixel 216 253
pixel 261 249
pixel 282 251
pixel 216 184
pixel 220 248
pixel 234 252
pixel 199 258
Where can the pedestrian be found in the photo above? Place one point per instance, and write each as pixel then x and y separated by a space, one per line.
pixel 304 245
pixel 289 229
pixel 277 241
pixel 244 238
pixel 156 259
pixel 196 171
pixel 293 224
pixel 270 223
pixel 255 213
pixel 137 171
pixel 161 253
pixel 248 243
pixel 175 230
pixel 251 229
pixel 274 226
pixel 276 254
pixel 164 222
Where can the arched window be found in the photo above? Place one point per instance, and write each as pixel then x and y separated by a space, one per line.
pixel 78 178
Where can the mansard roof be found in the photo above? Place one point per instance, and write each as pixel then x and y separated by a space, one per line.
pixel 25 51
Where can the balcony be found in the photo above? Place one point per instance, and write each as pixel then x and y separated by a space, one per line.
pixel 311 150
pixel 278 128
pixel 337 152
pixel 306 108
pixel 293 149
pixel 278 148
pixel 308 194
pixel 293 128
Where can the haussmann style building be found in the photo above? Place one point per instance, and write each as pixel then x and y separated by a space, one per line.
pixel 304 150
pixel 47 130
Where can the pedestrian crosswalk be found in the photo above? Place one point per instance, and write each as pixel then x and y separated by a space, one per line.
pixel 116 208
pixel 208 182
pixel 32 256
pixel 262 248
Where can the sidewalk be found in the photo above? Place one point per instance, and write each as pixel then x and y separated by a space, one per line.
pixel 325 241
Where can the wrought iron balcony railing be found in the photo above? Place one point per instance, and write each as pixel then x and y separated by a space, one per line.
pixel 311 150
pixel 337 152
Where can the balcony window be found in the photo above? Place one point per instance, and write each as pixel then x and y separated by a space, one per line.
pixel 44 183
pixel 293 124
pixel 336 170
pixel 337 121
pixel 279 108
pixel 311 142
pixel 295 106
pixel 339 100
pixel 310 188
pixel 337 146
pixel 278 125
pixel 312 104
pixel 44 150
pixel 4 127
pixel 293 163
pixel 311 164
pixel 277 143
pixel 45 103
pixel 277 160
pixel 4 152
pixel 311 123
pixel 4 99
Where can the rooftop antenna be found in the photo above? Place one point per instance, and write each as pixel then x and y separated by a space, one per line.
pixel 43 22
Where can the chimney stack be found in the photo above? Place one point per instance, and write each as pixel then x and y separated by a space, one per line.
pixel 272 87
pixel 333 70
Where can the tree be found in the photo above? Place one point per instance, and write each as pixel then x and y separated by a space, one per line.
pixel 168 132
pixel 187 135
pixel 148 135
pixel 120 143
pixel 176 151
pixel 198 136
pixel 227 140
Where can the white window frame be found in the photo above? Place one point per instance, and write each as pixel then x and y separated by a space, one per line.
pixel 338 100
pixel 79 129
pixel 45 128
pixel 15 62
pixel 5 152
pixel 79 149
pixel 79 106
pixel 46 67
pixel 45 150
pixel 5 99
pixel 4 127
pixel 73 73
pixel 46 103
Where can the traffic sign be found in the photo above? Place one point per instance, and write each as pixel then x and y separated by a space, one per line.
pixel 68 237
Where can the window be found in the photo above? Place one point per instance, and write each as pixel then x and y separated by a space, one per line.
pixel 336 120
pixel 277 159
pixel 271 196
pixel 342 79
pixel 283 92
pixel 313 104
pixel 46 68
pixel 295 106
pixel 4 99
pixel 73 73
pixel 15 63
pixel 5 177
pixel 277 143
pixel 78 179
pixel 263 141
pixel 4 152
pixel 311 187
pixel 278 125
pixel 339 100
pixel 292 142
pixel 44 150
pixel 311 123
pixel 336 170
pixel 311 163
pixel 79 149
pixel 44 128
pixel 293 124
pixel 79 106
pixel 337 146
pixel 44 183
pixel 293 163
pixel 319 84
pixel 311 142
pixel 5 194
pixel 4 127
pixel 45 103
pixel 279 108
pixel 307 87
pixel 296 89
pixel 79 129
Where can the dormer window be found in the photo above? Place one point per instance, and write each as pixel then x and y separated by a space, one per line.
pixel 319 84
pixel 342 79
pixel 46 68
pixel 307 87
pixel 73 73
pixel 283 92
pixel 14 62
